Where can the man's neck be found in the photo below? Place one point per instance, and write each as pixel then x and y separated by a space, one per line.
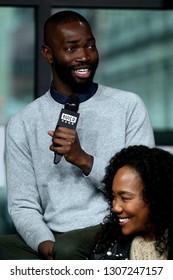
pixel 83 96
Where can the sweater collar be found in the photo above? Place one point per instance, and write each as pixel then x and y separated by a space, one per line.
pixel 61 98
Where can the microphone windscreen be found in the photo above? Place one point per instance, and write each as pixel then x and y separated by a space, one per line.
pixel 72 103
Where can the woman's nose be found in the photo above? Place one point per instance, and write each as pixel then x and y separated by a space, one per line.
pixel 117 207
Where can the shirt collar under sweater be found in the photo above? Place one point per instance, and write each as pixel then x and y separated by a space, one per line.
pixel 61 98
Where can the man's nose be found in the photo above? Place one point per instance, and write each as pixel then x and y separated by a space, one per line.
pixel 82 55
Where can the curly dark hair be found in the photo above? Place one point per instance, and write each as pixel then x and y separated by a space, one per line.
pixel 155 168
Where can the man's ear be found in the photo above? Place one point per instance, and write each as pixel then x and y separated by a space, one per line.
pixel 47 53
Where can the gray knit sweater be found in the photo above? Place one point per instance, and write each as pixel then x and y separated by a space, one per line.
pixel 44 197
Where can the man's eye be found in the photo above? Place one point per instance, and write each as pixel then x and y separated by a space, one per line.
pixel 91 47
pixel 71 49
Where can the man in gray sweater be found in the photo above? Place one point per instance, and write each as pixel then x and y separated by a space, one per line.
pixel 57 208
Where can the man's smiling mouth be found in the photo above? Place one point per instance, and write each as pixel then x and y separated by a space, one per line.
pixel 82 73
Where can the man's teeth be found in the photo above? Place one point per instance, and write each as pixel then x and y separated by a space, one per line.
pixel 82 70
pixel 123 220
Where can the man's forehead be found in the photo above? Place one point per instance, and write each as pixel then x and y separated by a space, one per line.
pixel 74 31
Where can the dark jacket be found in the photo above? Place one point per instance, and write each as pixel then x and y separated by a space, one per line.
pixel 116 251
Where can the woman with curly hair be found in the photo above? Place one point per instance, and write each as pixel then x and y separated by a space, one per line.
pixel 139 186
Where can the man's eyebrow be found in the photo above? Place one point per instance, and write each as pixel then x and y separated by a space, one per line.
pixel 71 41
pixel 76 41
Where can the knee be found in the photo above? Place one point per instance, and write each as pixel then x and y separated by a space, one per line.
pixel 65 250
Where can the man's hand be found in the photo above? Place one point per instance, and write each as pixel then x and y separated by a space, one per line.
pixel 66 141
pixel 45 249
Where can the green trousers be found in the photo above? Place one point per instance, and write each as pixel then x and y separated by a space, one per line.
pixel 71 245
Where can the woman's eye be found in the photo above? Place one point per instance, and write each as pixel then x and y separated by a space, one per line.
pixel 113 197
pixel 125 198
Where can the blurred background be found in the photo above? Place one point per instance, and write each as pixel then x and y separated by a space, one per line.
pixel 135 42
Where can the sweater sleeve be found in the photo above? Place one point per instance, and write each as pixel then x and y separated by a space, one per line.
pixel 137 131
pixel 138 124
pixel 23 196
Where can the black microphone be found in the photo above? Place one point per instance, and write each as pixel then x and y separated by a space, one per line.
pixel 68 118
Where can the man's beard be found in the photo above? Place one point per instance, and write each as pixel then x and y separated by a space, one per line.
pixel 65 75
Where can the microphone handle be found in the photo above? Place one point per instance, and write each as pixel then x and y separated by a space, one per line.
pixel 57 158
pixel 67 119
